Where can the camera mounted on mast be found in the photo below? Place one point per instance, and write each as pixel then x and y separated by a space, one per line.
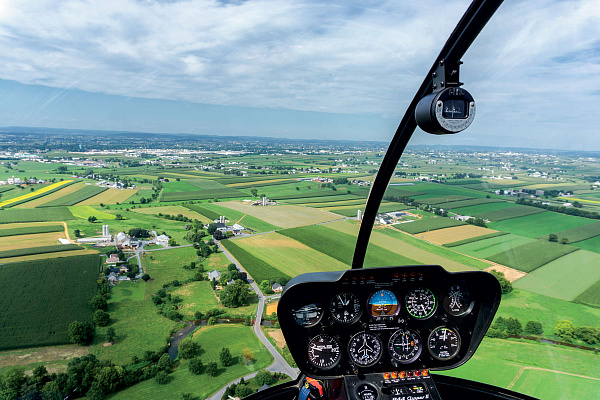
pixel 449 108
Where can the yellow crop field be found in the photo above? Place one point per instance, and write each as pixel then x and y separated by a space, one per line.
pixel 287 216
pixel 26 241
pixel 110 196
pixel 173 210
pixel 87 211
pixel 34 193
pixel 52 196
pixel 569 199
pixel 454 234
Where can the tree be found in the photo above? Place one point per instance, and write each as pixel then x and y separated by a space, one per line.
pixel 225 357
pixel 505 284
pixel 77 233
pixel 110 335
pixel 146 277
pixel 254 192
pixel 564 240
pixel 98 302
pixel 172 242
pixel 533 328
pixel 195 366
pixel 212 369
pixel 264 378
pixel 211 228
pixel 513 326
pixel 131 275
pixel 242 391
pixel 92 219
pixel 553 237
pixel 119 217
pixel 96 392
pixel 565 330
pixel 232 267
pixel 162 378
pixel 101 318
pixel 81 333
pixel 164 363
pixel 235 295
pixel 265 287
pixel 188 348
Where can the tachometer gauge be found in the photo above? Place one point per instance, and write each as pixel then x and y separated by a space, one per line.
pixel 383 303
pixel 324 351
pixel 457 301
pixel 364 349
pixel 308 315
pixel 405 346
pixel 420 303
pixel 345 308
pixel 443 343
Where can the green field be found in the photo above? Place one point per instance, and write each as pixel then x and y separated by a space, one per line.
pixel 509 213
pixel 430 224
pixel 27 197
pixel 199 296
pixel 28 251
pixel 202 194
pixel 212 215
pixel 488 247
pixel 180 186
pixel 340 245
pixel 164 266
pixel 258 269
pixel 564 278
pixel 591 296
pixel 352 211
pixel 483 208
pixel 41 298
pixel 472 202
pixel 433 190
pixel 30 230
pixel 530 256
pixel 325 199
pixel 441 201
pixel 127 291
pixel 540 224
pixel 35 215
pixel 320 195
pixel 73 198
pixel 474 239
pixel 246 220
pixel 580 233
pixel 212 340
pixel 258 184
pixel 592 244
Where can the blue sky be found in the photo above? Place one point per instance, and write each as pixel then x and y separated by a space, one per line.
pixel 297 69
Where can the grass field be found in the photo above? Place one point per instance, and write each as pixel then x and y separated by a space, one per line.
pixel 174 210
pixel 455 233
pixel 429 224
pixel 580 233
pixel 488 247
pixel 258 269
pixel 474 239
pixel 199 296
pixel 591 296
pixel 484 208
pixel 41 298
pixel 35 215
pixel 203 194
pixel 540 224
pixel 30 230
pixel 27 251
pixel 529 256
pixel 180 186
pixel 211 339
pixel 109 196
pixel 209 214
pixel 509 213
pixel 73 198
pixel 592 244
pixel 62 191
pixel 288 255
pixel 32 195
pixel 564 278
pixel 164 266
pixel 88 211
pixel 340 245
pixel 283 216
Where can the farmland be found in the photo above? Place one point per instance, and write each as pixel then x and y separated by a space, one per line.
pixel 256 267
pixel 455 234
pixel 429 224
pixel 30 230
pixel 174 210
pixel 540 224
pixel 472 202
pixel 54 195
pixel 247 220
pixel 88 211
pixel 35 194
pixel 484 208
pixel 64 287
pixel 474 239
pixel 202 194
pixel 283 216
pixel 529 256
pixel 591 295
pixel 511 212
pixel 24 240
pixel 73 198
pixel 109 196
pixel 488 247
pixel 580 233
pixel 35 215
pixel 19 252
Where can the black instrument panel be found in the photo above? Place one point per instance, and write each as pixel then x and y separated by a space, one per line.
pixel 382 319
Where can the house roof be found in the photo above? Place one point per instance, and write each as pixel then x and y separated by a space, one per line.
pixel 214 275
pixel 276 286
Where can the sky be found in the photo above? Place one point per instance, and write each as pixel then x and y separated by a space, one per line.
pixel 297 69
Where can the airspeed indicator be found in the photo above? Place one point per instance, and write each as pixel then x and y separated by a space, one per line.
pixel 420 303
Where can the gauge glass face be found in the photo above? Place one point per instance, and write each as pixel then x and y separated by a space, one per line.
pixel 324 351
pixel 364 391
pixel 383 303
pixel 308 315
pixel 457 301
pixel 345 308
pixel 444 343
pixel 364 349
pixel 454 109
pixel 405 346
pixel 420 303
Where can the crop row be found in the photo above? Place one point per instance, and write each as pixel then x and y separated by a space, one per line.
pixel 55 187
pixel 442 200
pixel 429 224
pixel 202 194
pixel 31 230
pixel 580 233
pixel 35 215
pixel 28 251
pixel 258 269
pixel 531 256
pixel 76 197
pixel 508 213
pixel 475 239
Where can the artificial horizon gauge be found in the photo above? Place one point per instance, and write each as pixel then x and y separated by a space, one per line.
pixel 324 351
pixel 365 349
pixel 383 303
pixel 308 315
pixel 448 111
pixel 443 343
pixel 420 303
pixel 457 301
pixel 345 308
pixel 405 346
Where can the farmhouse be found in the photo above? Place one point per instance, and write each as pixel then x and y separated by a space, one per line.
pixel 163 240
pixel 112 259
pixel 124 268
pixel 461 217
pixel 277 288
pixel 112 277
pixel 214 275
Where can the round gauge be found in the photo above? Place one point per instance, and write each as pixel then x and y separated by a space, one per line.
pixel 324 351
pixel 366 391
pixel 383 303
pixel 308 315
pixel 345 308
pixel 364 349
pixel 457 301
pixel 420 303
pixel 444 343
pixel 405 346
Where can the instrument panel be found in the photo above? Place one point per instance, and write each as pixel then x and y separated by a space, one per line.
pixel 381 319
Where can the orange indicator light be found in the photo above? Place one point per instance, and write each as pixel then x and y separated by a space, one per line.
pixel 402 374
pixel 425 372
pixel 394 375
pixel 386 375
